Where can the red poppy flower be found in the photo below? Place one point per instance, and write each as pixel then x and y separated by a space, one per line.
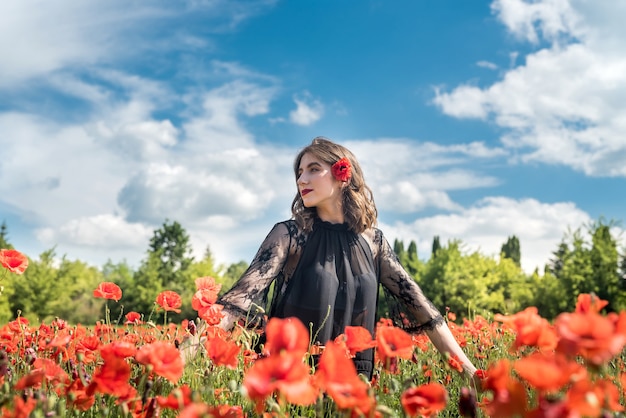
pixel 342 170
pixel 203 299
pixel 336 374
pixel 548 372
pixel 590 335
pixel 112 378
pixel 208 283
pixel 287 334
pixel 14 261
pixel 358 339
pixel 133 318
pixel 284 373
pixel 77 396
pixel 393 342
pixel 118 349
pixel 589 398
pixel 531 329
pixel 424 401
pixel 87 347
pixel 18 325
pixel 589 303
pixel 619 320
pixel 212 315
pixel 223 352
pixel 169 300
pixel 108 290
pixel 21 408
pixel 509 395
pixel 455 363
pixel 164 358
pixel 201 410
pixel 179 398
pixel 34 379
pixel 496 378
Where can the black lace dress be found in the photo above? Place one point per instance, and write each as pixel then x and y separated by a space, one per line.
pixel 329 278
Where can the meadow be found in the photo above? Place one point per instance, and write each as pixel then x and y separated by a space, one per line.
pixel 130 366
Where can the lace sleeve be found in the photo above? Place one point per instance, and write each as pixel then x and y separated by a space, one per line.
pixel 246 299
pixel 410 309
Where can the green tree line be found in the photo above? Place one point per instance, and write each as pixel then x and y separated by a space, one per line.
pixel 55 287
pixel 586 260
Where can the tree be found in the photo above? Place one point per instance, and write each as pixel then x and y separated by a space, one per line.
pixel 584 265
pixel 170 244
pixel 4 237
pixel 122 274
pixel 436 246
pixel 398 249
pixel 511 249
pixel 474 283
pixel 604 260
pixel 413 265
pixel 76 303
pixel 146 285
pixel 46 291
pixel 549 295
pixel 622 269
pixel 232 274
pixel 561 255
pixel 166 267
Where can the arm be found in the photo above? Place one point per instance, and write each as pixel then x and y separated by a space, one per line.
pixel 424 315
pixel 247 296
pixel 444 341
pixel 248 293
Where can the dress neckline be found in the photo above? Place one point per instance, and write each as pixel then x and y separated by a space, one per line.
pixel 332 226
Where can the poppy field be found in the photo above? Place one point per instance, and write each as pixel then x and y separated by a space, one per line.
pixel 129 366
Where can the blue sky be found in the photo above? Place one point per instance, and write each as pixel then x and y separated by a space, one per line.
pixel 472 120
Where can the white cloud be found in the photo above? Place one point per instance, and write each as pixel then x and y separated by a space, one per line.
pixel 58 172
pixel 487 64
pixel 100 231
pixel 227 185
pixel 563 105
pixel 38 38
pixel 307 111
pixel 532 20
pixel 118 169
pixel 216 126
pixel 408 176
pixel 485 226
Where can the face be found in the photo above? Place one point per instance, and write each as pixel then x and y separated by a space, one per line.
pixel 317 185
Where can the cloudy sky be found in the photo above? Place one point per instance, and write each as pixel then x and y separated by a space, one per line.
pixel 473 120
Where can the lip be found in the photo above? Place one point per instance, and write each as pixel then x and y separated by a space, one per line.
pixel 304 192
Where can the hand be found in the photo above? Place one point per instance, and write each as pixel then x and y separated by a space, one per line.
pixel 477 380
pixel 190 347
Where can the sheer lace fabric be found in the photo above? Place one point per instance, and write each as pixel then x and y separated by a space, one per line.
pixel 328 278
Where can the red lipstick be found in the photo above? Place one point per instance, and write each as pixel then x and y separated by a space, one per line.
pixel 304 192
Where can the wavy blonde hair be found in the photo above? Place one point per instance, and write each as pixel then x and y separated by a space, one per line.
pixel 358 205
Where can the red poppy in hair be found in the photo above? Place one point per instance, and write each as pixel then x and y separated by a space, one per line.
pixel 342 170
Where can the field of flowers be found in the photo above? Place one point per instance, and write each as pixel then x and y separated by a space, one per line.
pixel 529 367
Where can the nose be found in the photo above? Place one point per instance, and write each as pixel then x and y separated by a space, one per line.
pixel 302 179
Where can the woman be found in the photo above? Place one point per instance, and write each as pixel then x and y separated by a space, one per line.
pixel 326 263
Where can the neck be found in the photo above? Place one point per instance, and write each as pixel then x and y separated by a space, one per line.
pixel 333 215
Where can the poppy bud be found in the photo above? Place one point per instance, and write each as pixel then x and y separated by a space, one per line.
pixel 467 403
pixel 4 363
pixel 191 327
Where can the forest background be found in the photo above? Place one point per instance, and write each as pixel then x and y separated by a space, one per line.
pixel 468 283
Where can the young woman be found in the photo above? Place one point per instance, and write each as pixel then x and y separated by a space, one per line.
pixel 324 266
